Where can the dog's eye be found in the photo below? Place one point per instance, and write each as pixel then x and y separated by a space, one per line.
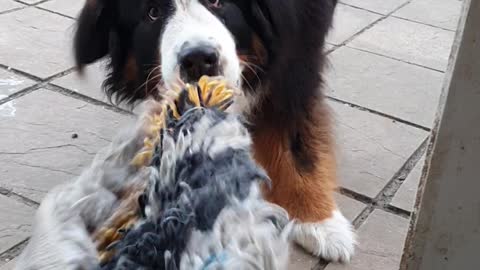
pixel 153 13
pixel 214 3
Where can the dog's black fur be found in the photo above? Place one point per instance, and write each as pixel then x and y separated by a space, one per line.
pixel 283 38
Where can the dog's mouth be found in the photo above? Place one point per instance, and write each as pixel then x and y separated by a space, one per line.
pixel 193 78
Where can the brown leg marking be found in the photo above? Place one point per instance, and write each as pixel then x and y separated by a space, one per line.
pixel 306 193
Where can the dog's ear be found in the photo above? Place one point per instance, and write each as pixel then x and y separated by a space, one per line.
pixel 274 20
pixel 91 39
pixel 262 20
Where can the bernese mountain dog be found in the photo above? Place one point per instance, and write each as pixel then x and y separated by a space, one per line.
pixel 273 50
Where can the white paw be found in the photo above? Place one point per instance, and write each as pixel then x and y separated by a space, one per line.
pixel 332 239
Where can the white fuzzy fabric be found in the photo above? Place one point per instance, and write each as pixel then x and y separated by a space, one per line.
pixel 244 237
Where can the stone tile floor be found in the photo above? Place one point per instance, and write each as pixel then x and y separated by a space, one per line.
pixel 387 63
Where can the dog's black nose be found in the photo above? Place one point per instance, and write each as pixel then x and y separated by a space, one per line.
pixel 198 61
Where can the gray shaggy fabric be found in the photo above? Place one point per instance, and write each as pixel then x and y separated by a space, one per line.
pixel 202 208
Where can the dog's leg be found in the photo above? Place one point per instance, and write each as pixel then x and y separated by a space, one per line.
pixel 304 181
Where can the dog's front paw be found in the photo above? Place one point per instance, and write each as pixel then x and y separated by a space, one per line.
pixel 332 239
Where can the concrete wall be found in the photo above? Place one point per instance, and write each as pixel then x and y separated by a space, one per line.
pixel 445 231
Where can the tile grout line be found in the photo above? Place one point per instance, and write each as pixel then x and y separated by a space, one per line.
pixel 13 252
pixel 398 211
pixel 361 8
pixel 21 73
pixel 396 59
pixel 369 201
pixel 333 48
pixel 60 74
pixel 395 16
pixel 23 3
pixel 46 83
pixel 40 2
pixel 13 10
pixel 19 198
pixel 21 93
pixel 355 195
pixel 384 115
pixel 90 100
pixel 384 16
pixel 37 7
pixel 39 82
pixel 30 4
pixel 55 12
pixel 422 23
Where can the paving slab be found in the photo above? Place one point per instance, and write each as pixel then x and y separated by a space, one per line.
pixel 371 148
pixel 69 8
pixel 9 265
pixel 350 208
pixel 10 83
pixel 9 5
pixel 407 194
pixel 408 41
pixel 299 259
pixel 15 222
pixel 380 6
pixel 348 21
pixel 31 2
pixel 381 239
pixel 440 13
pixel 35 41
pixel 393 87
pixel 88 84
pixel 49 138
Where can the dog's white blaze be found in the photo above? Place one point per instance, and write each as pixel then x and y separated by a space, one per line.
pixel 193 23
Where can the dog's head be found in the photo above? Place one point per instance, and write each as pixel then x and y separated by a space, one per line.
pixel 152 41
